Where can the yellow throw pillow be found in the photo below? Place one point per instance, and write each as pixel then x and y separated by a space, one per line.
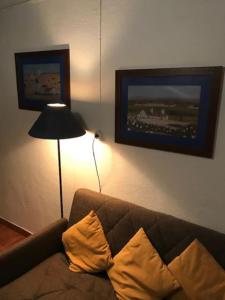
pixel 139 273
pixel 86 245
pixel 201 277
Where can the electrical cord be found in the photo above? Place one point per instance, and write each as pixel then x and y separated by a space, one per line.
pixel 97 135
pixel 96 167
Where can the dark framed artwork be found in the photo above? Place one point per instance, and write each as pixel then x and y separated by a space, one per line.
pixel 172 109
pixel 42 77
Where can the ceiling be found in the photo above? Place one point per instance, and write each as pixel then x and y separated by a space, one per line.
pixel 8 3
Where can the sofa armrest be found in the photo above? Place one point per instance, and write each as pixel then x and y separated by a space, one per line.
pixel 31 251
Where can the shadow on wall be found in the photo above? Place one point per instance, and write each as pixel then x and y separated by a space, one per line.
pixel 24 160
pixel 174 183
pixel 179 183
pixel 187 186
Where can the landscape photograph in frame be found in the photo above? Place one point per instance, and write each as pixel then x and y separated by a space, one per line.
pixel 168 109
pixel 42 77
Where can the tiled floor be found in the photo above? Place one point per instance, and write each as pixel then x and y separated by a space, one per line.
pixel 10 235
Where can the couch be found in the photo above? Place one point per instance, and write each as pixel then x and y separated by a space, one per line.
pixel 37 267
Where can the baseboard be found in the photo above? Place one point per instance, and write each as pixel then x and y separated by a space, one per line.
pixel 15 227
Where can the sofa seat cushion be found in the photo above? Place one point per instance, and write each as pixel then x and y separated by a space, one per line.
pixel 52 280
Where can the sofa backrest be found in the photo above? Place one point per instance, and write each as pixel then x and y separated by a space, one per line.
pixel 121 220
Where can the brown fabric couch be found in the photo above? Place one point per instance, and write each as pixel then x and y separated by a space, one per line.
pixel 37 267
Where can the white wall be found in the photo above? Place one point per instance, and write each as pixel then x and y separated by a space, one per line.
pixel 134 34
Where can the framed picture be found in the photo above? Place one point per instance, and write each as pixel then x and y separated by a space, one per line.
pixel 168 109
pixel 42 77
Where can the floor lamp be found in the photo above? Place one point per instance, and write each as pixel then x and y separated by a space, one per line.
pixel 57 122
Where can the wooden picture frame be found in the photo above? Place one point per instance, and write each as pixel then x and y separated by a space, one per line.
pixel 42 77
pixel 171 109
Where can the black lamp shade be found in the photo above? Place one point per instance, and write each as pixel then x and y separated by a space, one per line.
pixel 56 122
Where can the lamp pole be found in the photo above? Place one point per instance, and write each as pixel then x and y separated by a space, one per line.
pixel 60 178
pixel 57 122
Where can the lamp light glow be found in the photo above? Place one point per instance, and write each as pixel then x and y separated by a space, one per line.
pixel 56 105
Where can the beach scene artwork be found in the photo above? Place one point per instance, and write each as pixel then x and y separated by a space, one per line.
pixel 42 81
pixel 171 110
